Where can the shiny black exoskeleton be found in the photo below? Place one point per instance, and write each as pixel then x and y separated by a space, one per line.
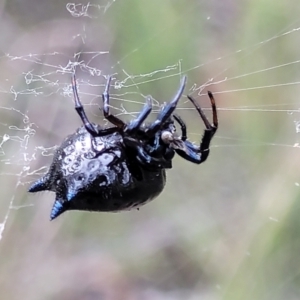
pixel 120 167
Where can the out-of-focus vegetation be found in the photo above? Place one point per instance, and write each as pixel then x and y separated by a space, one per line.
pixel 227 229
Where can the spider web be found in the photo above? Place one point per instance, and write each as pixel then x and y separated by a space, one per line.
pixel 176 247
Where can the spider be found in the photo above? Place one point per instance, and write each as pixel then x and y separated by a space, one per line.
pixel 123 166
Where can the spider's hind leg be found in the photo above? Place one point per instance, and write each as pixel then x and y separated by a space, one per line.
pixel 107 115
pixel 80 110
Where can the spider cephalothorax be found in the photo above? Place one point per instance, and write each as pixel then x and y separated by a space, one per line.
pixel 121 167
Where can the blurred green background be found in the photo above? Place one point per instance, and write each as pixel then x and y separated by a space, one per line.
pixel 227 229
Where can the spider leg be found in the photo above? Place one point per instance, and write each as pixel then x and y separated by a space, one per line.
pixel 134 125
pixel 105 97
pixel 214 109
pixel 213 127
pixel 182 126
pixel 167 111
pixel 195 153
pixel 80 110
pixel 146 159
pixel 210 128
pixel 191 152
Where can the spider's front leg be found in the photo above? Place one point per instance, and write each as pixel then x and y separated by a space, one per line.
pixel 134 125
pixel 210 129
pixel 190 151
pixel 167 111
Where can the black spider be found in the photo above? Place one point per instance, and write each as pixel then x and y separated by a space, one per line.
pixel 120 167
